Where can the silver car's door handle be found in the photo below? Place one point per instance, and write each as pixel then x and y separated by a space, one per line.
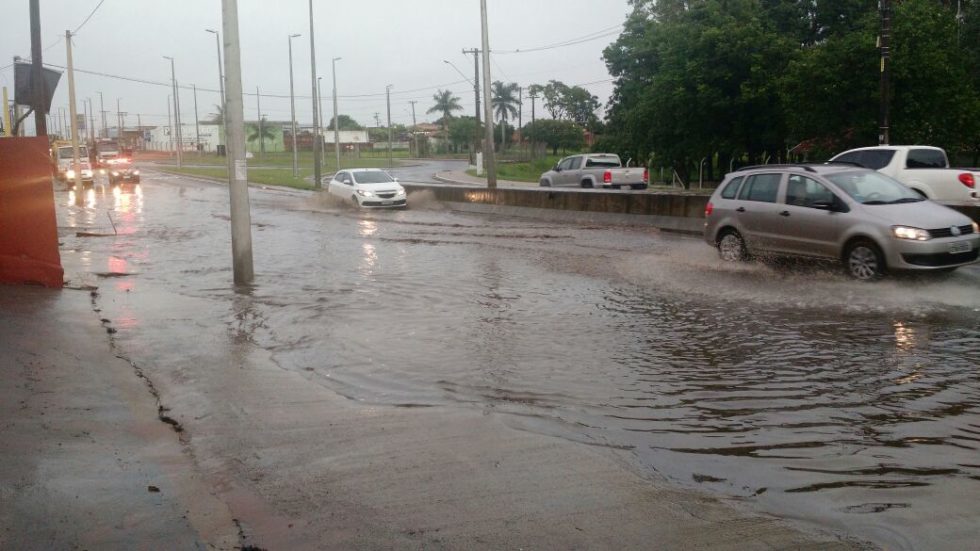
pixel 740 209
pixel 784 213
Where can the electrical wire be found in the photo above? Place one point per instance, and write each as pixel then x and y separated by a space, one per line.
pixel 602 33
pixel 99 5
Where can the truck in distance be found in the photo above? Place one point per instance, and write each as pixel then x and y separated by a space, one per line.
pixel 595 170
pixel 63 158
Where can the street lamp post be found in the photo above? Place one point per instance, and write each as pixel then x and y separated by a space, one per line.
pixel 490 159
pixel 173 78
pixel 292 107
pixel 319 130
pixel 388 100
pixel 336 131
pixel 316 121
pixel 221 81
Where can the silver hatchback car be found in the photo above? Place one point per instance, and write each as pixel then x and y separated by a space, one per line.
pixel 866 220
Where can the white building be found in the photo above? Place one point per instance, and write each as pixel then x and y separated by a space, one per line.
pixel 210 136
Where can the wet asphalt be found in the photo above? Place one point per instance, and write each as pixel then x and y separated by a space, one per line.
pixel 845 406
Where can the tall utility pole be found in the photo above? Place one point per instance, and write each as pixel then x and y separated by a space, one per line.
pixel 316 120
pixel 336 131
pixel 176 137
pixel 476 97
pixel 105 129
pixel 520 119
pixel 388 100
pixel 377 119
pixel 884 40
pixel 139 128
pixel 170 125
pixel 197 125
pixel 241 231
pixel 292 107
pixel 39 88
pixel 534 134
pixel 489 157
pixel 91 120
pixel 221 84
pixel 415 134
pixel 118 122
pixel 258 108
pixel 319 130
pixel 76 163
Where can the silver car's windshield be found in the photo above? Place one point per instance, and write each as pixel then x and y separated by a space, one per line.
pixel 873 188
pixel 372 177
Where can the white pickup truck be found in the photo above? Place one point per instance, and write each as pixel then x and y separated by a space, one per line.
pixel 924 169
pixel 595 170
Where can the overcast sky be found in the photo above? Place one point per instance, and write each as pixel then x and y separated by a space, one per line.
pixel 382 42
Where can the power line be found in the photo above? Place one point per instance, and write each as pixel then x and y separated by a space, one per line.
pixel 602 33
pixel 99 5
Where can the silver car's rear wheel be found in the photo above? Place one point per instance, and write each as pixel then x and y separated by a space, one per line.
pixel 864 261
pixel 731 247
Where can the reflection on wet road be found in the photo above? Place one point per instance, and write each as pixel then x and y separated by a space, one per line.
pixel 844 404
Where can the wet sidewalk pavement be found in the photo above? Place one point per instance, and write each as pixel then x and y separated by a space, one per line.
pixel 145 412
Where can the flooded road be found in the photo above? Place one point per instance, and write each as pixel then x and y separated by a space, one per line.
pixel 848 406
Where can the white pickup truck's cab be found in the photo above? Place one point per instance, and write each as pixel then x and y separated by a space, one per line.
pixel 595 170
pixel 66 170
pixel 923 168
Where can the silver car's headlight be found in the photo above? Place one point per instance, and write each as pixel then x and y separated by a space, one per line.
pixel 364 193
pixel 915 234
pixel 401 191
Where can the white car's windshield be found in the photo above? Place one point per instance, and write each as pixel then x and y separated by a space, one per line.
pixel 66 152
pixel 873 188
pixel 372 177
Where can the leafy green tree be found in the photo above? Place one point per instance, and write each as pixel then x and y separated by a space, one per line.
pixel 461 131
pixel 565 135
pixel 345 123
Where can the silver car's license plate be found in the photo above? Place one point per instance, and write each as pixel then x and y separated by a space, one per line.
pixel 960 247
pixel 389 202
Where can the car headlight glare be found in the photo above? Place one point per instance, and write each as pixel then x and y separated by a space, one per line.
pixel 70 173
pixel 915 234
pixel 114 173
pixel 364 193
pixel 136 172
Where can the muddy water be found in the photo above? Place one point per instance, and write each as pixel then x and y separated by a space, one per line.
pixel 848 406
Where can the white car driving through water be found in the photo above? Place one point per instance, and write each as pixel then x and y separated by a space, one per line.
pixel 367 188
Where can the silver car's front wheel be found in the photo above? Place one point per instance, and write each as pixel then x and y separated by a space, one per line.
pixel 864 261
pixel 731 247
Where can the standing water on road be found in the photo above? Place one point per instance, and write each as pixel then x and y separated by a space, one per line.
pixel 847 405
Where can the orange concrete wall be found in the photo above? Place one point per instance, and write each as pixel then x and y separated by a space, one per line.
pixel 28 226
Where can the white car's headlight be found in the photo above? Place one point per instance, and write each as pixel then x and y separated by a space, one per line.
pixel 70 173
pixel 114 173
pixel 136 172
pixel 915 234
pixel 401 191
pixel 364 193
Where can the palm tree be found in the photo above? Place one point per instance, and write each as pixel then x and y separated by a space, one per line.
pixel 446 103
pixel 218 117
pixel 504 103
pixel 262 132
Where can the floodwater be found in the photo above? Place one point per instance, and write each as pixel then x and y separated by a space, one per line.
pixel 844 405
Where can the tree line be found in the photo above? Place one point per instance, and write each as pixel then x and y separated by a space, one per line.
pixel 754 81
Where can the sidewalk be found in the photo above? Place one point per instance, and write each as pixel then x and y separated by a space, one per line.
pixel 460 177
pixel 85 462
